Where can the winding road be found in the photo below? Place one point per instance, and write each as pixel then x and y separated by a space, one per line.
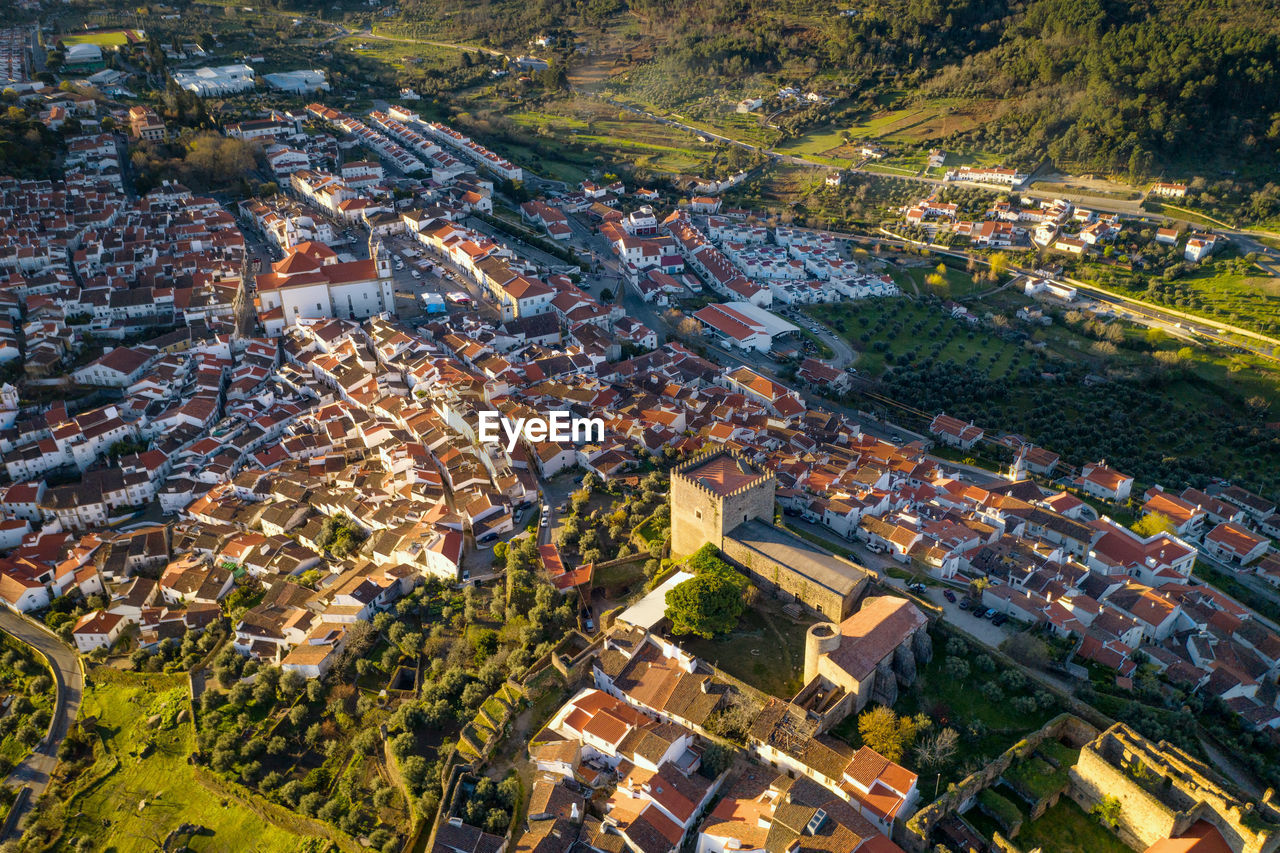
pixel 36 768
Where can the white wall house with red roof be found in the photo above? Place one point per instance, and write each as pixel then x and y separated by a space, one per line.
pixel 1235 543
pixel 310 282
pixel 1101 481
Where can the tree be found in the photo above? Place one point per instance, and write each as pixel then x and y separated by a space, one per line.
pixel 707 558
pixel 1107 811
pixel 708 604
pixel 1153 523
pixel 716 759
pixel 999 264
pixel 937 751
pixel 240 694
pixel 733 723
pixel 1027 649
pixel 887 733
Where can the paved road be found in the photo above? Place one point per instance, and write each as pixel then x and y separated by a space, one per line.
pixel 35 770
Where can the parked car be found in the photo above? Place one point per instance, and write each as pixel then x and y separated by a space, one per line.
pixel 415 273
pixel 999 619
pixel 987 613
pixel 949 596
pixel 916 587
pixel 966 604
pixel 488 537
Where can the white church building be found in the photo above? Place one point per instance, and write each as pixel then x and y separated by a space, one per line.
pixel 310 282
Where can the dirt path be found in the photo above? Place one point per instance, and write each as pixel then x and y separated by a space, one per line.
pixel 782 643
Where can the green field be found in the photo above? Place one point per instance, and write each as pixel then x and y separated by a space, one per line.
pixel 570 138
pixel 102 38
pixel 766 651
pixel 912 125
pixel 152 790
pixel 401 54
pixel 1241 299
pixel 958 285
pixel 1064 828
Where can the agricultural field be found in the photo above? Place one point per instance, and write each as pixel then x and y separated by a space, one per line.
pixel 402 53
pixel 1227 291
pixel 911 125
pixel 1191 413
pixel 905 331
pixel 956 284
pixel 570 138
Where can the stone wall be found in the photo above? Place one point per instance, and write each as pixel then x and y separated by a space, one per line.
pixel 780 580
pixel 1144 820
pixel 1163 791
pixel 913 835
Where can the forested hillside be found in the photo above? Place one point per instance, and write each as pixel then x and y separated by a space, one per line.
pixel 1095 85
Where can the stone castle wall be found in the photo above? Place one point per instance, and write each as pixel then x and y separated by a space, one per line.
pixel 774 577
pixel 1163 791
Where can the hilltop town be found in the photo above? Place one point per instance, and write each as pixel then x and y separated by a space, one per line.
pixel 801 583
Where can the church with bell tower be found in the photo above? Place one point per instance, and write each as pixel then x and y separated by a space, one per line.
pixel 311 283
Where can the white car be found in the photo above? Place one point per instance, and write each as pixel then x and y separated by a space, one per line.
pixel 415 273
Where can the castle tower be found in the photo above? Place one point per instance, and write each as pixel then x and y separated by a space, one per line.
pixel 714 493
pixel 821 639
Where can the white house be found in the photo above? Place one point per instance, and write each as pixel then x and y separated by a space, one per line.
pixel 97 630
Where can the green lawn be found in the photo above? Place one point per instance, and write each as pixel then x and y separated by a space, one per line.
pixel 958 284
pixel 766 651
pixel 1036 778
pixel 1065 828
pixel 153 790
pixel 648 531
pixel 104 38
